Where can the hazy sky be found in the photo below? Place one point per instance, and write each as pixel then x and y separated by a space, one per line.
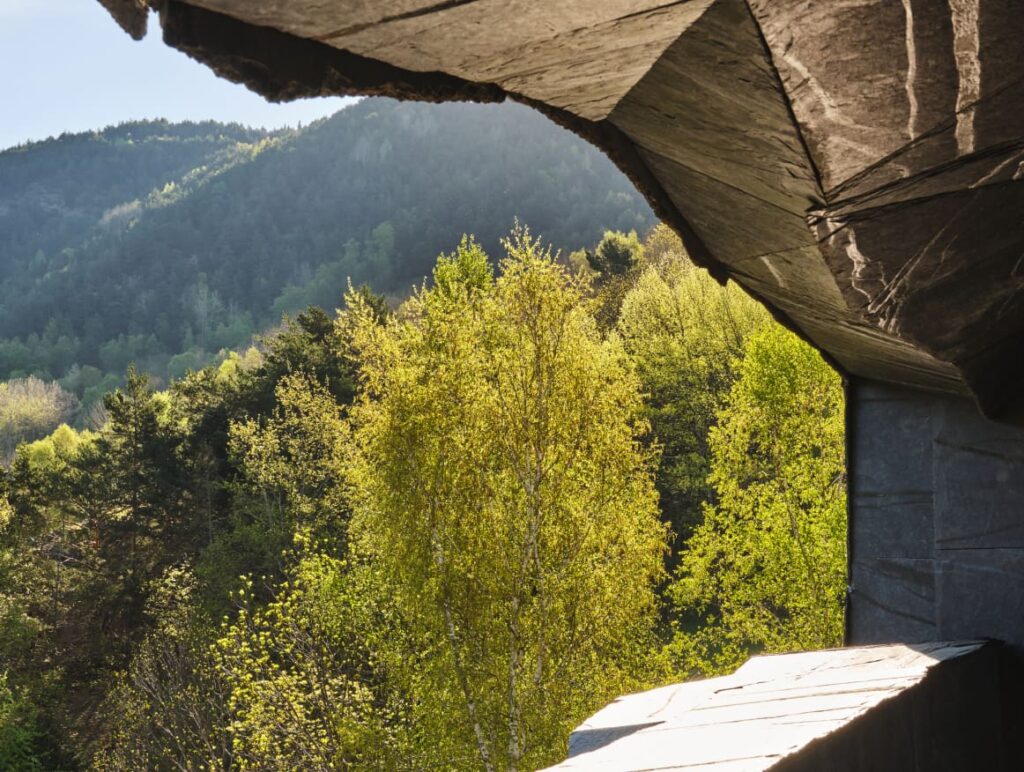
pixel 65 65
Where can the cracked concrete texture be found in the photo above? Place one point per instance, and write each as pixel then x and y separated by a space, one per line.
pixel 855 164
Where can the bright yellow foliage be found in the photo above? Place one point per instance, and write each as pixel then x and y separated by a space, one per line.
pixel 501 487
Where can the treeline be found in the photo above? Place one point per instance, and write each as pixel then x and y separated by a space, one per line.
pixel 436 535
pixel 165 244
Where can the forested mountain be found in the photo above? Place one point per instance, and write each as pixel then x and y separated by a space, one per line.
pixel 54 193
pixel 162 244
pixel 427 528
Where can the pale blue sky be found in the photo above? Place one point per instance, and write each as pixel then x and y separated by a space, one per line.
pixel 66 66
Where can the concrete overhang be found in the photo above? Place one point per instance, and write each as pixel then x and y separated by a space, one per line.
pixel 854 164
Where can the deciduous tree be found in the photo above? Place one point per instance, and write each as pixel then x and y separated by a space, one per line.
pixel 685 335
pixel 765 570
pixel 502 489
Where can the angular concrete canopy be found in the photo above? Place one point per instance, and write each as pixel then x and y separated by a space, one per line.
pixel 855 164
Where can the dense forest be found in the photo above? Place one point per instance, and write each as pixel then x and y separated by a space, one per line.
pixel 165 244
pixel 295 475
pixel 427 534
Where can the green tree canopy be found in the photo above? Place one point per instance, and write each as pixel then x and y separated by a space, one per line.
pixel 685 334
pixel 501 486
pixel 616 254
pixel 29 410
pixel 766 569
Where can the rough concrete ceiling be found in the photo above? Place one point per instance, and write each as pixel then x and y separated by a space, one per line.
pixel 852 163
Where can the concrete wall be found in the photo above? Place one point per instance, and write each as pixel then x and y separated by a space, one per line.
pixel 936 520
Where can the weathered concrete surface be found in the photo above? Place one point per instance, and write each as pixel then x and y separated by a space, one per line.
pixel 936 505
pixel 931 707
pixel 856 165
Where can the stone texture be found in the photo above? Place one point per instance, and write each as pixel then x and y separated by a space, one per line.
pixel 131 15
pixel 927 707
pixel 862 99
pixel 555 53
pixel 713 104
pixel 964 253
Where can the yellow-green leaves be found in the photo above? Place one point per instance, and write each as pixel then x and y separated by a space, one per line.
pixel 502 490
pixel 298 457
pixel 685 334
pixel 304 691
pixel 18 733
pixel 766 569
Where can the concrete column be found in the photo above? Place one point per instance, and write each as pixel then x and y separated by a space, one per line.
pixel 936 520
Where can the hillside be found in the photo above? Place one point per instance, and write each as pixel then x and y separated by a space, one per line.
pixel 162 244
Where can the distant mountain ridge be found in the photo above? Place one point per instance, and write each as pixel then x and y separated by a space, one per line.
pixel 162 243
pixel 52 192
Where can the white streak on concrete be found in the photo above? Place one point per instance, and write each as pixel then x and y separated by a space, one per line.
pixel 966 49
pixel 996 170
pixel 773 270
pixel 860 264
pixel 911 82
pixel 888 301
pixel 825 99
pixel 837 141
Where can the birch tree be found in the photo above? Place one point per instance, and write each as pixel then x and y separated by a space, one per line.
pixel 501 488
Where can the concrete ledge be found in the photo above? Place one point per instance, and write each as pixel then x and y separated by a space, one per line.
pixel 933 706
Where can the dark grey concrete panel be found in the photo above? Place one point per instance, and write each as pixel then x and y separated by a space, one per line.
pixel 892 600
pixel 894 525
pixel 891 482
pixel 979 484
pixel 892 444
pixel 936 519
pixel 981 592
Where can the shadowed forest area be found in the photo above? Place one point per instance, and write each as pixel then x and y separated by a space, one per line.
pixel 433 529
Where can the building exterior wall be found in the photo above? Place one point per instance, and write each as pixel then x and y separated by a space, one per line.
pixel 936 520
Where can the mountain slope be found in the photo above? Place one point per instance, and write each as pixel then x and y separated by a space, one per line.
pixel 52 193
pixel 170 242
